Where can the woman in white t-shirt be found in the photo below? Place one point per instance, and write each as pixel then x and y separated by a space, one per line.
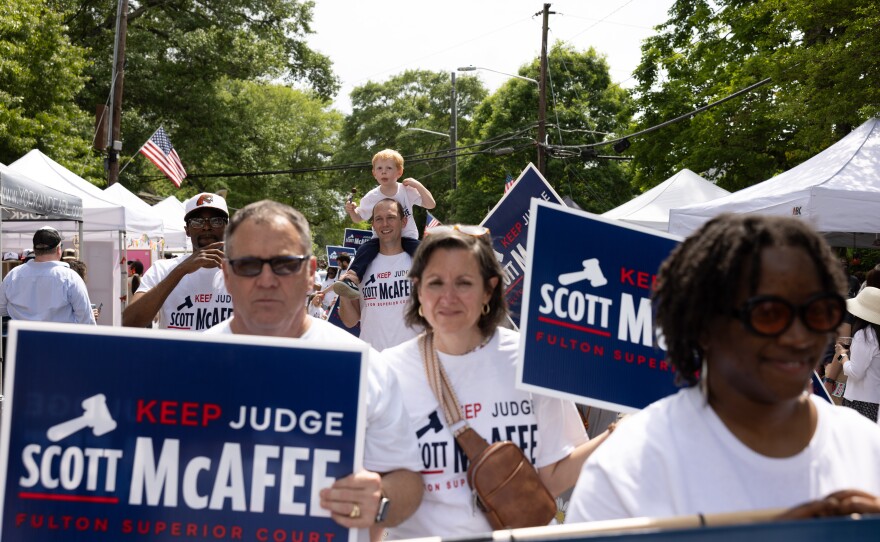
pixel 747 306
pixel 458 298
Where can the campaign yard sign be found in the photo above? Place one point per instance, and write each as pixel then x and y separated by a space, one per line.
pixel 333 251
pixel 355 238
pixel 201 438
pixel 509 223
pixel 587 330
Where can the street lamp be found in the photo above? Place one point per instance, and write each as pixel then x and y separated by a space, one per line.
pixel 542 111
pixel 475 68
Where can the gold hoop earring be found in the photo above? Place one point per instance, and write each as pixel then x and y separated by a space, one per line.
pixel 486 309
pixel 420 312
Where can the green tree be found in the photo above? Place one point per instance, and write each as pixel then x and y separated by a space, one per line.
pixel 821 57
pixel 181 56
pixel 276 129
pixel 40 74
pixel 584 105
pixel 385 115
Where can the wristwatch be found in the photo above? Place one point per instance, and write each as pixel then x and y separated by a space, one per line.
pixel 827 380
pixel 384 504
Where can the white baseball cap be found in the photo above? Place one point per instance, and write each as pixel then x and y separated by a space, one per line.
pixel 205 200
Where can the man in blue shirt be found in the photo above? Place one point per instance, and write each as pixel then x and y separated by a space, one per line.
pixel 46 289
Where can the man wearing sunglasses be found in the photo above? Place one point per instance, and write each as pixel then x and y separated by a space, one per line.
pixel 269 271
pixel 187 292
pixel 386 285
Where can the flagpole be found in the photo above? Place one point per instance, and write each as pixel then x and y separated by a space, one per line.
pixel 133 156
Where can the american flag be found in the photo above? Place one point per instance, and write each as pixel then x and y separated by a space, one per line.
pixel 161 152
pixel 509 181
pixel 431 222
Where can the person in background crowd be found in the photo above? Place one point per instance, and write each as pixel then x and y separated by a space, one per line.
pixel 46 289
pixel 746 306
pixel 187 293
pixel 457 297
pixel 861 364
pixel 328 295
pixel 269 272
pixel 83 271
pixel 387 168
pixel 135 272
pixel 386 285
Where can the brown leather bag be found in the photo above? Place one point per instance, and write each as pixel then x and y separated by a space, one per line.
pixel 506 486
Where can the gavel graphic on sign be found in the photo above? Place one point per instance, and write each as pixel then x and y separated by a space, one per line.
pixel 95 415
pixel 591 272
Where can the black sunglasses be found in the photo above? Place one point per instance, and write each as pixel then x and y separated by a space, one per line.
pixel 214 221
pixel 280 265
pixel 770 315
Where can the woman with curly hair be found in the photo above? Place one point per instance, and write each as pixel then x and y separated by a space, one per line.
pixel 747 305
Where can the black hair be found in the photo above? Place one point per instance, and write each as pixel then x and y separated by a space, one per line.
pixel 702 277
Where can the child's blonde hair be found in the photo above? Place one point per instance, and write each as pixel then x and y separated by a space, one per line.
pixel 389 154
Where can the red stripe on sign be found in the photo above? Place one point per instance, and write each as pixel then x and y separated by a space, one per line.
pixel 569 325
pixel 431 472
pixel 513 284
pixel 68 498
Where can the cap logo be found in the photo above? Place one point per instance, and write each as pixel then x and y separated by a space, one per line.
pixel 205 199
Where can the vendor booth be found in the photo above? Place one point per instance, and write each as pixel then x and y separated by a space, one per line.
pixel 651 209
pixel 837 192
pixel 106 228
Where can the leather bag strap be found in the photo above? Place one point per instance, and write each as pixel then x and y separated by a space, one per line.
pixel 470 441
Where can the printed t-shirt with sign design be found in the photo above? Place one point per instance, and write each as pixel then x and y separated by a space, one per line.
pixel 384 294
pixel 546 429
pixel 199 300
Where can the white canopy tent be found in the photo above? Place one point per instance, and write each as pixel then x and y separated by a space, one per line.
pixel 651 209
pixel 172 212
pixel 837 192
pixel 106 225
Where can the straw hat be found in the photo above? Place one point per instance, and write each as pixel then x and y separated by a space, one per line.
pixel 866 305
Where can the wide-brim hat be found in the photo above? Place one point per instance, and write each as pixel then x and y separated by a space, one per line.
pixel 205 200
pixel 866 305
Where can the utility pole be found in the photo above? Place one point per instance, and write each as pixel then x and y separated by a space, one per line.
pixel 453 132
pixel 114 143
pixel 542 93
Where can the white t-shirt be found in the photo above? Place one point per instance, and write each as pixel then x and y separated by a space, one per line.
pixel 863 368
pixel 388 444
pixel 406 195
pixel 546 429
pixel 385 291
pixel 199 300
pixel 676 457
pixel 329 296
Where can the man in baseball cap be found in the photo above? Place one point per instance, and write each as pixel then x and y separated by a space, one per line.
pixel 187 292
pixel 46 289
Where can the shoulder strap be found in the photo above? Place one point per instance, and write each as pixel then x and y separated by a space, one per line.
pixel 469 440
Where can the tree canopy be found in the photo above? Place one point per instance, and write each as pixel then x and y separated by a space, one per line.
pixel 40 75
pixel 583 105
pixel 822 61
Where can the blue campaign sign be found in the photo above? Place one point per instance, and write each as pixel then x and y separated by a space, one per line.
pixel 333 251
pixel 355 238
pixel 193 437
pixel 334 318
pixel 587 330
pixel 509 223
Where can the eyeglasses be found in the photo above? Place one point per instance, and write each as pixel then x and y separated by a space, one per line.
pixel 770 315
pixel 475 231
pixel 280 265
pixel 214 221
